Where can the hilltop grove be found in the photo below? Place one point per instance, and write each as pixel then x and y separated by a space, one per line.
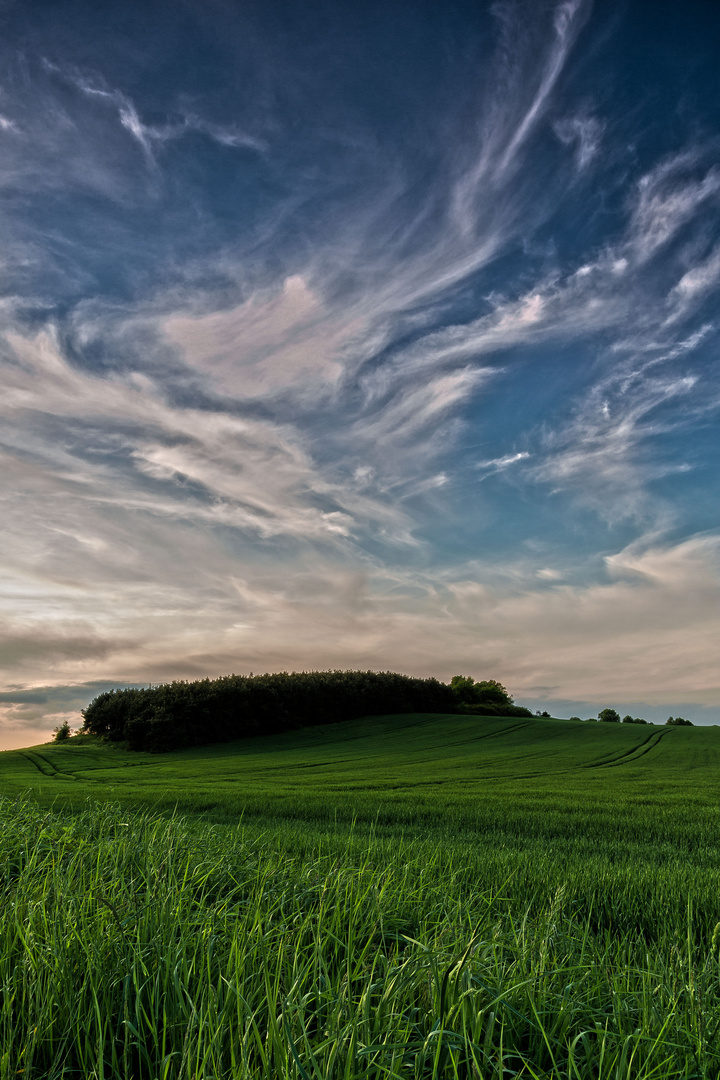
pixel 183 714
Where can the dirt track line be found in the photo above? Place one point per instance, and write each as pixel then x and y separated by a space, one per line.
pixel 502 731
pixel 45 767
pixel 632 755
pixel 644 749
pixel 619 757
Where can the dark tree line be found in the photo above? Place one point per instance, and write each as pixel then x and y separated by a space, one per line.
pixel 180 714
pixel 612 716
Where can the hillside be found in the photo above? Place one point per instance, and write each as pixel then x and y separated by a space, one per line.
pixel 409 767
pixel 416 895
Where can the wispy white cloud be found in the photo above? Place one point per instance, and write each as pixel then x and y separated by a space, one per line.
pixel 216 467
pixel 149 136
pixel 599 453
pixel 582 132
pixel 548 573
pixel 268 343
pixel 695 285
pixel 497 465
pixel 415 419
pixel 524 78
pixel 567 20
pixel 668 197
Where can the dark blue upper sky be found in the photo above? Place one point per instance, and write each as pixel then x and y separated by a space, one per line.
pixel 378 335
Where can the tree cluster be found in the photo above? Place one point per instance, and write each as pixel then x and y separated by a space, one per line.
pixel 612 716
pixel 487 697
pixel 179 714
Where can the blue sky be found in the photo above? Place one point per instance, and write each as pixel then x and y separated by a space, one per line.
pixel 360 336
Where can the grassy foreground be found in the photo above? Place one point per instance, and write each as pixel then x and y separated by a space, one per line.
pixel 457 898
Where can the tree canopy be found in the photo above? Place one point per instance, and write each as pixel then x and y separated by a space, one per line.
pixel 485 692
pixel 173 715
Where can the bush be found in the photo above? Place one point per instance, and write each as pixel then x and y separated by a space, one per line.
pixel 678 721
pixel 61 733
pixel 609 716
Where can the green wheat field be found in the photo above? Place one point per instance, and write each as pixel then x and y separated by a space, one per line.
pixel 396 897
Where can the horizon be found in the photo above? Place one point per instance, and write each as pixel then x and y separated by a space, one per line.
pixel 572 710
pixel 363 338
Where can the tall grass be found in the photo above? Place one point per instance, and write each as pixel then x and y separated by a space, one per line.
pixel 133 946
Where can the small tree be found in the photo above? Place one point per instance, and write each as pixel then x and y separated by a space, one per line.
pixel 609 716
pixel 63 732
pixel 678 721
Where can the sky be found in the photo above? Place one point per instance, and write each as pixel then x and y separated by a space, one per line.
pixel 373 335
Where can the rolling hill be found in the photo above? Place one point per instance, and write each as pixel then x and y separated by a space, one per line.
pixel 409 768
pixel 411 896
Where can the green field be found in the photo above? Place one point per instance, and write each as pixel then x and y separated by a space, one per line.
pixel 414 767
pixel 412 896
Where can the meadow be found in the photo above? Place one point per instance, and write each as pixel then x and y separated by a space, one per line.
pixel 413 896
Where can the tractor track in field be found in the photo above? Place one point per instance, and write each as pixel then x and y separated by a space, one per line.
pixel 631 755
pixel 289 767
pixel 47 769
pixel 626 758
pixel 502 731
pixel 43 766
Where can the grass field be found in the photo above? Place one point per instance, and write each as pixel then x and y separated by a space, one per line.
pixel 413 896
